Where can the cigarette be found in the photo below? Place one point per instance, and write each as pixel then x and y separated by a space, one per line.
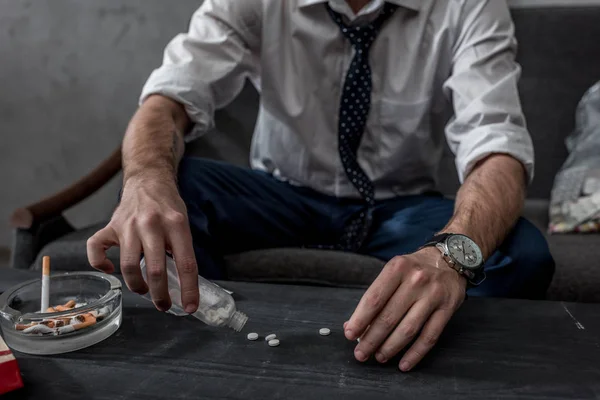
pixel 45 283
pixel 88 320
pixel 65 307
pixel 22 327
pixel 39 329
pixel 69 304
pixel 49 323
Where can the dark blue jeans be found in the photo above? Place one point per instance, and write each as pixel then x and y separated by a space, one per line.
pixel 233 209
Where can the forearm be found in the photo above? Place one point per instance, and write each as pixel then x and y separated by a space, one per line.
pixel 153 144
pixel 489 202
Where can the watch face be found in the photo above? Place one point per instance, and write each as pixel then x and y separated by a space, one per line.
pixel 464 251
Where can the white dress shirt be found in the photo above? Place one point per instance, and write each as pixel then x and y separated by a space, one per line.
pixel 428 52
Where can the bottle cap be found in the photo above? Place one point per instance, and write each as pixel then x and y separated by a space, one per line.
pixel 237 321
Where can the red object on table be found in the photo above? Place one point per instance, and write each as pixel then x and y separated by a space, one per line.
pixel 10 376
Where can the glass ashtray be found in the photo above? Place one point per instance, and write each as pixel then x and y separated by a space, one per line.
pixel 91 311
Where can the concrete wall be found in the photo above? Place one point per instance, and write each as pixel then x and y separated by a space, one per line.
pixel 70 75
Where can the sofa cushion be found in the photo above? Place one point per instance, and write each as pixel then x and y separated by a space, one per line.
pixel 575 279
pixel 69 253
pixel 270 265
pixel 322 267
pixel 577 275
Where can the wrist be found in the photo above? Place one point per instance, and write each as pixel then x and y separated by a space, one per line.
pixel 150 177
pixel 433 256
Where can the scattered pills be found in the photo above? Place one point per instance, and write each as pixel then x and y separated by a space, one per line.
pixel 271 337
pixel 252 336
pixel 324 331
pixel 274 342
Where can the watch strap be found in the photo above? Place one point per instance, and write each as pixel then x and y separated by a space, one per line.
pixel 439 238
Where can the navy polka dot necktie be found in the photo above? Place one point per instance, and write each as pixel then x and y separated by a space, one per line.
pixel 354 110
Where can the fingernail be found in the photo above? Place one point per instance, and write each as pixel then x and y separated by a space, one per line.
pixel 349 334
pixel 360 356
pixel 381 358
pixel 190 308
pixel 404 366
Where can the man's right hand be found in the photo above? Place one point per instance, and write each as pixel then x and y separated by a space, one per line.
pixel 151 218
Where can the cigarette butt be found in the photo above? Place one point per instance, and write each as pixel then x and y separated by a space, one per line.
pixel 39 329
pixel 84 324
pixel 22 327
pixel 49 323
pixel 58 323
pixel 51 309
pixel 65 329
pixel 88 319
pixel 69 304
pixel 83 319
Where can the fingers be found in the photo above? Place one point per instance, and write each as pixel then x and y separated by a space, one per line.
pixel 426 340
pixel 97 246
pixel 180 239
pixel 406 331
pixel 131 249
pixel 385 322
pixel 156 274
pixel 375 298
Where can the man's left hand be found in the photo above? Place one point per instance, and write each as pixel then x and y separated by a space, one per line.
pixel 414 293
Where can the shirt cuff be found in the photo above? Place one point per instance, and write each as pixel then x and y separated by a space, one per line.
pixel 516 144
pixel 178 84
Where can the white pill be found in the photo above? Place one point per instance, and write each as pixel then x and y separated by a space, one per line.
pixel 270 337
pixel 324 331
pixel 274 342
pixel 252 336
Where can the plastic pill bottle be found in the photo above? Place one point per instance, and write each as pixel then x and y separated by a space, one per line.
pixel 216 308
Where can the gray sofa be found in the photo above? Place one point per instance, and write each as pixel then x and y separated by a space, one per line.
pixel 560 58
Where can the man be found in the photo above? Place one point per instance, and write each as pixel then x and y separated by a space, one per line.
pixel 345 151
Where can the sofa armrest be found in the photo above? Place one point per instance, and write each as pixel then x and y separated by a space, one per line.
pixel 53 206
pixel 27 243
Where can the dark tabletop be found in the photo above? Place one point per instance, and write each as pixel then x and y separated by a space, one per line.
pixel 493 348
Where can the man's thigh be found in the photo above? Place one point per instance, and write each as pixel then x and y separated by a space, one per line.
pixel 233 209
pixel 521 267
pixel 402 225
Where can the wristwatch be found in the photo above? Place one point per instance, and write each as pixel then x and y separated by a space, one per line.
pixel 462 254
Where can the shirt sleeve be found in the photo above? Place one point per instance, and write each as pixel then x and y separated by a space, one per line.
pixel 205 68
pixel 483 84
